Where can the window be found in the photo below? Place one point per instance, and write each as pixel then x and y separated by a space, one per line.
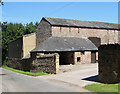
pixel 78 30
pixel 78 59
pixel 60 29
pixel 69 29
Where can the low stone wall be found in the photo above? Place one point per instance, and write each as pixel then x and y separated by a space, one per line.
pixel 48 63
pixel 14 63
pixel 109 63
pixel 24 64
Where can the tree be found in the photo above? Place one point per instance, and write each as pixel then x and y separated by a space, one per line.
pixel 1 3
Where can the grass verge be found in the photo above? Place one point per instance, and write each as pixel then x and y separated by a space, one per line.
pixel 23 72
pixel 104 88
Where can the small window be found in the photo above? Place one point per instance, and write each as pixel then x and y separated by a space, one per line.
pixel 78 59
pixel 69 29
pixel 60 29
pixel 78 30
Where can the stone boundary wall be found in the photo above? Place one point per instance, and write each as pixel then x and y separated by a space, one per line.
pixel 16 63
pixel 109 63
pixel 48 63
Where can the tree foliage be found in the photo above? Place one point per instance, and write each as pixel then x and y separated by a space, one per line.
pixel 12 31
pixel 1 3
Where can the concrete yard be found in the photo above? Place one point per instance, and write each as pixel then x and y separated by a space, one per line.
pixel 78 75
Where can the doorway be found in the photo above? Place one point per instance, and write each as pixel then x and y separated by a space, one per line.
pixel 93 57
pixel 66 58
pixel 95 40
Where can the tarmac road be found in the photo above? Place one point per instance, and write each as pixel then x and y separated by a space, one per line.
pixel 15 82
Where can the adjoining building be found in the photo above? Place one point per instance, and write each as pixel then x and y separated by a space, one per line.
pixel 67 41
pixel 21 47
pixel 71 50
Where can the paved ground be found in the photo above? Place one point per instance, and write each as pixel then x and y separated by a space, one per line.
pixel 78 75
pixel 15 82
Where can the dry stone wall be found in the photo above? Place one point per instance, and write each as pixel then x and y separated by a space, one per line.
pixel 45 63
pixel 16 63
pixel 48 63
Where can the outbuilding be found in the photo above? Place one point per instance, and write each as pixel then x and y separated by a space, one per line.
pixel 71 50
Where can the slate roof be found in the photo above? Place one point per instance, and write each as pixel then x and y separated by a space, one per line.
pixel 78 23
pixel 57 44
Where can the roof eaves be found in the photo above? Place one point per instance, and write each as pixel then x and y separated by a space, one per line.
pixel 54 24
pixel 44 18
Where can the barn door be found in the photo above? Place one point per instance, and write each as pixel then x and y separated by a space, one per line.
pixel 93 57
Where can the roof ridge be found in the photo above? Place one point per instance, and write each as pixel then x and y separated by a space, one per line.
pixel 80 20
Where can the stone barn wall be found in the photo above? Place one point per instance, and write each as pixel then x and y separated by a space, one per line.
pixel 15 48
pixel 43 31
pixel 109 63
pixel 82 57
pixel 29 43
pixel 106 36
pixel 97 36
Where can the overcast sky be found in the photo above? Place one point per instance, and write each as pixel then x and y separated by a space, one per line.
pixel 25 12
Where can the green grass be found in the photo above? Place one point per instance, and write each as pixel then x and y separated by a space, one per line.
pixel 23 72
pixel 102 88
